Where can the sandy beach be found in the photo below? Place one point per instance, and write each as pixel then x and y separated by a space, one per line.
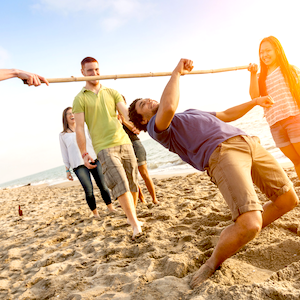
pixel 56 250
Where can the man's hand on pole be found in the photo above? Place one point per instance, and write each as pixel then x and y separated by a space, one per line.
pixel 184 66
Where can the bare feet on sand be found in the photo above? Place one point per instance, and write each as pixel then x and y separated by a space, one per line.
pixel 139 222
pixel 137 231
pixel 155 201
pixel 111 208
pixel 201 275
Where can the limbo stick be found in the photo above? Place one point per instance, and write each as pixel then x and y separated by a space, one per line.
pixel 139 75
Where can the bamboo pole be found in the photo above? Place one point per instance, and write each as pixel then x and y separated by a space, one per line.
pixel 140 75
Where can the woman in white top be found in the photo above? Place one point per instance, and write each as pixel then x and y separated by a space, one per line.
pixel 280 80
pixel 72 159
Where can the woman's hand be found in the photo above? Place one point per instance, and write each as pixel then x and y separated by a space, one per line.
pixel 253 68
pixel 69 176
pixel 264 101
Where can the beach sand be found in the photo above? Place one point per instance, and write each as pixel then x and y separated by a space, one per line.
pixel 56 250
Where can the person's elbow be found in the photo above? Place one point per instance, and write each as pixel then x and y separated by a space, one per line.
pixel 223 116
pixel 170 109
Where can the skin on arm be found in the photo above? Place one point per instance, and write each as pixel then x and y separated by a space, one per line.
pixel 123 110
pixel 238 111
pixel 170 97
pixel 128 124
pixel 123 113
pixel 81 140
pixel 254 87
pixel 32 79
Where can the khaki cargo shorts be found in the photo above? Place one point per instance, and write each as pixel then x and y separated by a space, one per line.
pixel 120 170
pixel 239 162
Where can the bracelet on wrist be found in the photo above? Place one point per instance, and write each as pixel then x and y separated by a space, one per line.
pixel 84 154
pixel 68 171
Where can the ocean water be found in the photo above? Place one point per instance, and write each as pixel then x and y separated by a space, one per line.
pixel 159 160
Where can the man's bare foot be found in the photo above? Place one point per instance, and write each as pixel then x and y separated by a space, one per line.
pixel 136 231
pixel 139 222
pixel 201 275
pixel 155 201
pixel 111 208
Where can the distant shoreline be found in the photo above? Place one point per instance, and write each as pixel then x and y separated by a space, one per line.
pixel 66 184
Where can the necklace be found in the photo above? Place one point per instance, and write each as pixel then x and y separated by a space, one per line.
pixel 70 129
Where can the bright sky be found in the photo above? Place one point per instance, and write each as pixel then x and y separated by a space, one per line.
pixel 51 37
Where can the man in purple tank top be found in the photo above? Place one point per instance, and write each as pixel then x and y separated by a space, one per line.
pixel 233 160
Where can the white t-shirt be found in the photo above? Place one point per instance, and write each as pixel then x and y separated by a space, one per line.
pixel 70 151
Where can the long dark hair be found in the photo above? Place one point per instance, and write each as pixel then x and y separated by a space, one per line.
pixel 64 119
pixel 288 71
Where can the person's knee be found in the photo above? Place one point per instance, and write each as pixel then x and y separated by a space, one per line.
pixel 89 193
pixel 294 200
pixel 250 224
pixel 287 201
pixel 254 229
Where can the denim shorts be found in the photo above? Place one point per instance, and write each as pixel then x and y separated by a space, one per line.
pixel 120 170
pixel 239 162
pixel 286 132
pixel 140 152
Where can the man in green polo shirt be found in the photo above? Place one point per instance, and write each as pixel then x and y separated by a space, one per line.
pixel 97 106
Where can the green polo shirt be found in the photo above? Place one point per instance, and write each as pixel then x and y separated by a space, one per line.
pixel 101 118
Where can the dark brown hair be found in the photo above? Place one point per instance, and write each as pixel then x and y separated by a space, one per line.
pixel 87 60
pixel 64 119
pixel 136 118
pixel 288 71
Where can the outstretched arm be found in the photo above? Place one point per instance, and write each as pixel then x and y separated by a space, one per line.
pixel 32 79
pixel 123 112
pixel 238 111
pixel 128 124
pixel 81 140
pixel 170 97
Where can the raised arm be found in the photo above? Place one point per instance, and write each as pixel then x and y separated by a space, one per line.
pixel 170 97
pixel 32 79
pixel 238 111
pixel 81 140
pixel 254 87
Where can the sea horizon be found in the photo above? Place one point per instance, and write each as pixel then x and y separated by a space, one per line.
pixel 160 161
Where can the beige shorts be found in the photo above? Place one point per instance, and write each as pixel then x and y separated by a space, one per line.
pixel 120 170
pixel 239 162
